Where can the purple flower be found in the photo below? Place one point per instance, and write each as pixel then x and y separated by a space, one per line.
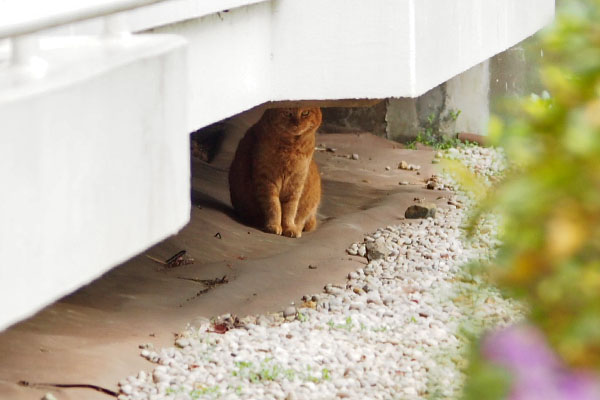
pixel 537 372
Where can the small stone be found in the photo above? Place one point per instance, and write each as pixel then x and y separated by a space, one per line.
pixel 403 183
pixel 290 396
pixel 431 185
pixel 182 343
pixel 454 203
pixel 127 389
pixel 362 251
pixel 403 165
pixel 387 168
pixel 201 323
pixel 49 396
pixel 424 210
pixel 160 376
pixel 439 154
pixel 331 149
pixel 411 391
pixel 310 266
pixel 335 304
pixel 435 161
pixel 355 156
pixel 289 312
pixel 309 304
pixel 374 298
pixel 377 250
pixel 332 289
pixel 263 320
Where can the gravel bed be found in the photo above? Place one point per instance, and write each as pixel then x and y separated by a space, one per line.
pixel 398 329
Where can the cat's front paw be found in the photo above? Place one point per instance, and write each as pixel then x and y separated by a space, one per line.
pixel 273 228
pixel 292 232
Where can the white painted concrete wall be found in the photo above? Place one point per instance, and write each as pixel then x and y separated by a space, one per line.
pixel 452 36
pixel 261 50
pixel 311 49
pixel 469 92
pixel 94 164
pixel 94 152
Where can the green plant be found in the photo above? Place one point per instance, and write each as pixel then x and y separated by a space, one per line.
pixel 347 325
pixel 453 115
pixel 203 391
pixel 550 204
pixel 302 317
pixel 432 136
pixel 268 371
pixel 550 201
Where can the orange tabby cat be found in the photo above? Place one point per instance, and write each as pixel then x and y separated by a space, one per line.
pixel 273 180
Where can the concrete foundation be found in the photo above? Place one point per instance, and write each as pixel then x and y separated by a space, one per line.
pixel 356 119
pixel 473 95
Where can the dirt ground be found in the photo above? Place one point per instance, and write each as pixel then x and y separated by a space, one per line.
pixel 92 336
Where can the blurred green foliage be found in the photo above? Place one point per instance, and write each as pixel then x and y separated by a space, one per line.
pixel 550 203
pixel 485 380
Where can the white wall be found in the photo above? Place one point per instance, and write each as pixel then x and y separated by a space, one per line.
pixel 346 49
pixel 262 50
pixel 452 36
pixel 229 62
pixel 339 49
pixel 94 165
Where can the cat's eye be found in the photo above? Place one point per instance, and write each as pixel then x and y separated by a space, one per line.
pixel 305 113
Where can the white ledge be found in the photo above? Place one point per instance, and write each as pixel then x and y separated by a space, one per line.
pixel 343 49
pixel 96 156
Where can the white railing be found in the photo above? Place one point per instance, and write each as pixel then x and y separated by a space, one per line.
pixel 21 18
pixel 21 21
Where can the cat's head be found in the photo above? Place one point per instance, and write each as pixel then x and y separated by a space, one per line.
pixel 294 121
